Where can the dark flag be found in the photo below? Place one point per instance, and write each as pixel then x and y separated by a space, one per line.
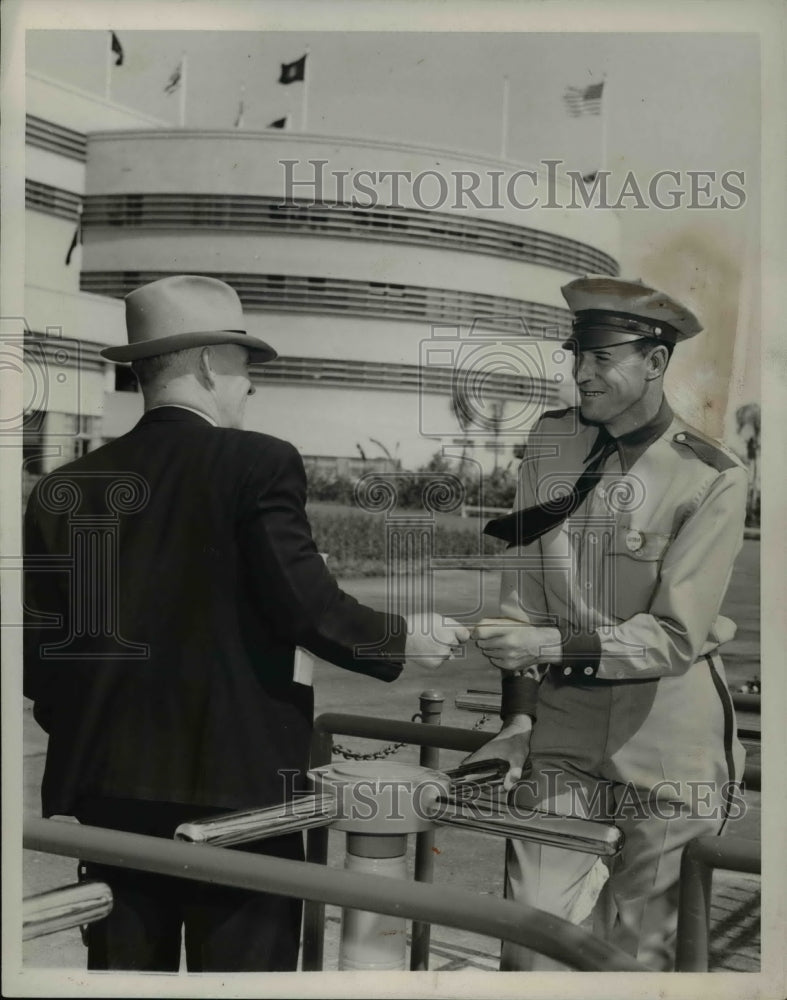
pixel 76 240
pixel 294 71
pixel 589 178
pixel 117 48
pixel 279 123
pixel 174 81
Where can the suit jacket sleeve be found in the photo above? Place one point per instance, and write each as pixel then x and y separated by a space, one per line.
pixel 295 590
pixel 39 626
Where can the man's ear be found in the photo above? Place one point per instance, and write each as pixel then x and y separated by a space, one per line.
pixel 657 362
pixel 205 370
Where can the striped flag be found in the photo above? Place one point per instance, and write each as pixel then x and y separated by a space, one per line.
pixel 174 81
pixel 584 100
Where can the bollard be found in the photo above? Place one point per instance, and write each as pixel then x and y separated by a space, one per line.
pixel 431 713
pixel 374 942
pixel 378 804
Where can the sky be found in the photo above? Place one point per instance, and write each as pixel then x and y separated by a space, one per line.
pixel 671 101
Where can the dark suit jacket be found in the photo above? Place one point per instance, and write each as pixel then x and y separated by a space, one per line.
pixel 188 575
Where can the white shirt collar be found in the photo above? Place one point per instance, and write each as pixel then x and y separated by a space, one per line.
pixel 182 406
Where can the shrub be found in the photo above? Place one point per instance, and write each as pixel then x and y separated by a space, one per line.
pixel 355 540
pixel 496 489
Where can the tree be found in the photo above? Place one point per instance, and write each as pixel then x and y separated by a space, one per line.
pixel 748 420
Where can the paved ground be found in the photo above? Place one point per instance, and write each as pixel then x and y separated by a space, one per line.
pixel 469 860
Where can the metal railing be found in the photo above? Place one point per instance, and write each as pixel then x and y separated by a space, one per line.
pixel 700 858
pixel 62 909
pixel 588 836
pixel 523 925
pixel 317 884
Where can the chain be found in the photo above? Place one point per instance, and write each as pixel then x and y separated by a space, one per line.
pixel 389 750
pixel 377 755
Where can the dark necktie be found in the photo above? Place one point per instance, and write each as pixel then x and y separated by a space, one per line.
pixel 524 526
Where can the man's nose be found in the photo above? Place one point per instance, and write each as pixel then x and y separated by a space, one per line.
pixel 583 368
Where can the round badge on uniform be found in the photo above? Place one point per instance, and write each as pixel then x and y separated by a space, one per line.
pixel 634 541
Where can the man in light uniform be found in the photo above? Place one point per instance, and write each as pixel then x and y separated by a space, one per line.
pixel 631 521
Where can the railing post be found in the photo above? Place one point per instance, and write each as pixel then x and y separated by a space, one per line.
pixel 431 712
pixel 693 912
pixel 317 852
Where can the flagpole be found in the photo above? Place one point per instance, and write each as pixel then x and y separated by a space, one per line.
pixel 305 96
pixel 504 122
pixel 604 103
pixel 183 63
pixel 241 107
pixel 108 78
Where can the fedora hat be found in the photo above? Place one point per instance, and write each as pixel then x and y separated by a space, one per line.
pixel 185 310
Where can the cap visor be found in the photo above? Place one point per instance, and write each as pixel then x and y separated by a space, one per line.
pixel 591 340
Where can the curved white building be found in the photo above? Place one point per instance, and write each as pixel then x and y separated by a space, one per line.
pixel 374 292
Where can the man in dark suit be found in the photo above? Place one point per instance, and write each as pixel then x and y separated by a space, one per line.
pixel 171 574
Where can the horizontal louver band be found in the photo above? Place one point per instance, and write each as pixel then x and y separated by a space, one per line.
pixel 383 375
pixel 264 214
pixel 328 372
pixel 52 200
pixel 55 353
pixel 55 138
pixel 337 296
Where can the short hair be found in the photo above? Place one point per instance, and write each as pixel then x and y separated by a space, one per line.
pixel 645 344
pixel 172 364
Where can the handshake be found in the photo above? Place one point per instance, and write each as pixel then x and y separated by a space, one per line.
pixel 433 639
pixel 508 645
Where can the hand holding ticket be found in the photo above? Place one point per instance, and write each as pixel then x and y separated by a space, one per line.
pixel 432 639
pixel 512 645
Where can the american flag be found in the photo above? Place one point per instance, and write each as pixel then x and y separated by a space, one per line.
pixel 584 100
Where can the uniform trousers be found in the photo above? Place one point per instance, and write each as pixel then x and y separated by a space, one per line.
pixel 661 760
pixel 225 929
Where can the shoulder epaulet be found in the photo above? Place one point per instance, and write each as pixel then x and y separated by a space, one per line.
pixel 707 451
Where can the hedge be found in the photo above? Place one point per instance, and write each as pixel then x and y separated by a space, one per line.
pixel 355 540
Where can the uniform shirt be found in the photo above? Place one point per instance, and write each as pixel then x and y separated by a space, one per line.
pixel 635 578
